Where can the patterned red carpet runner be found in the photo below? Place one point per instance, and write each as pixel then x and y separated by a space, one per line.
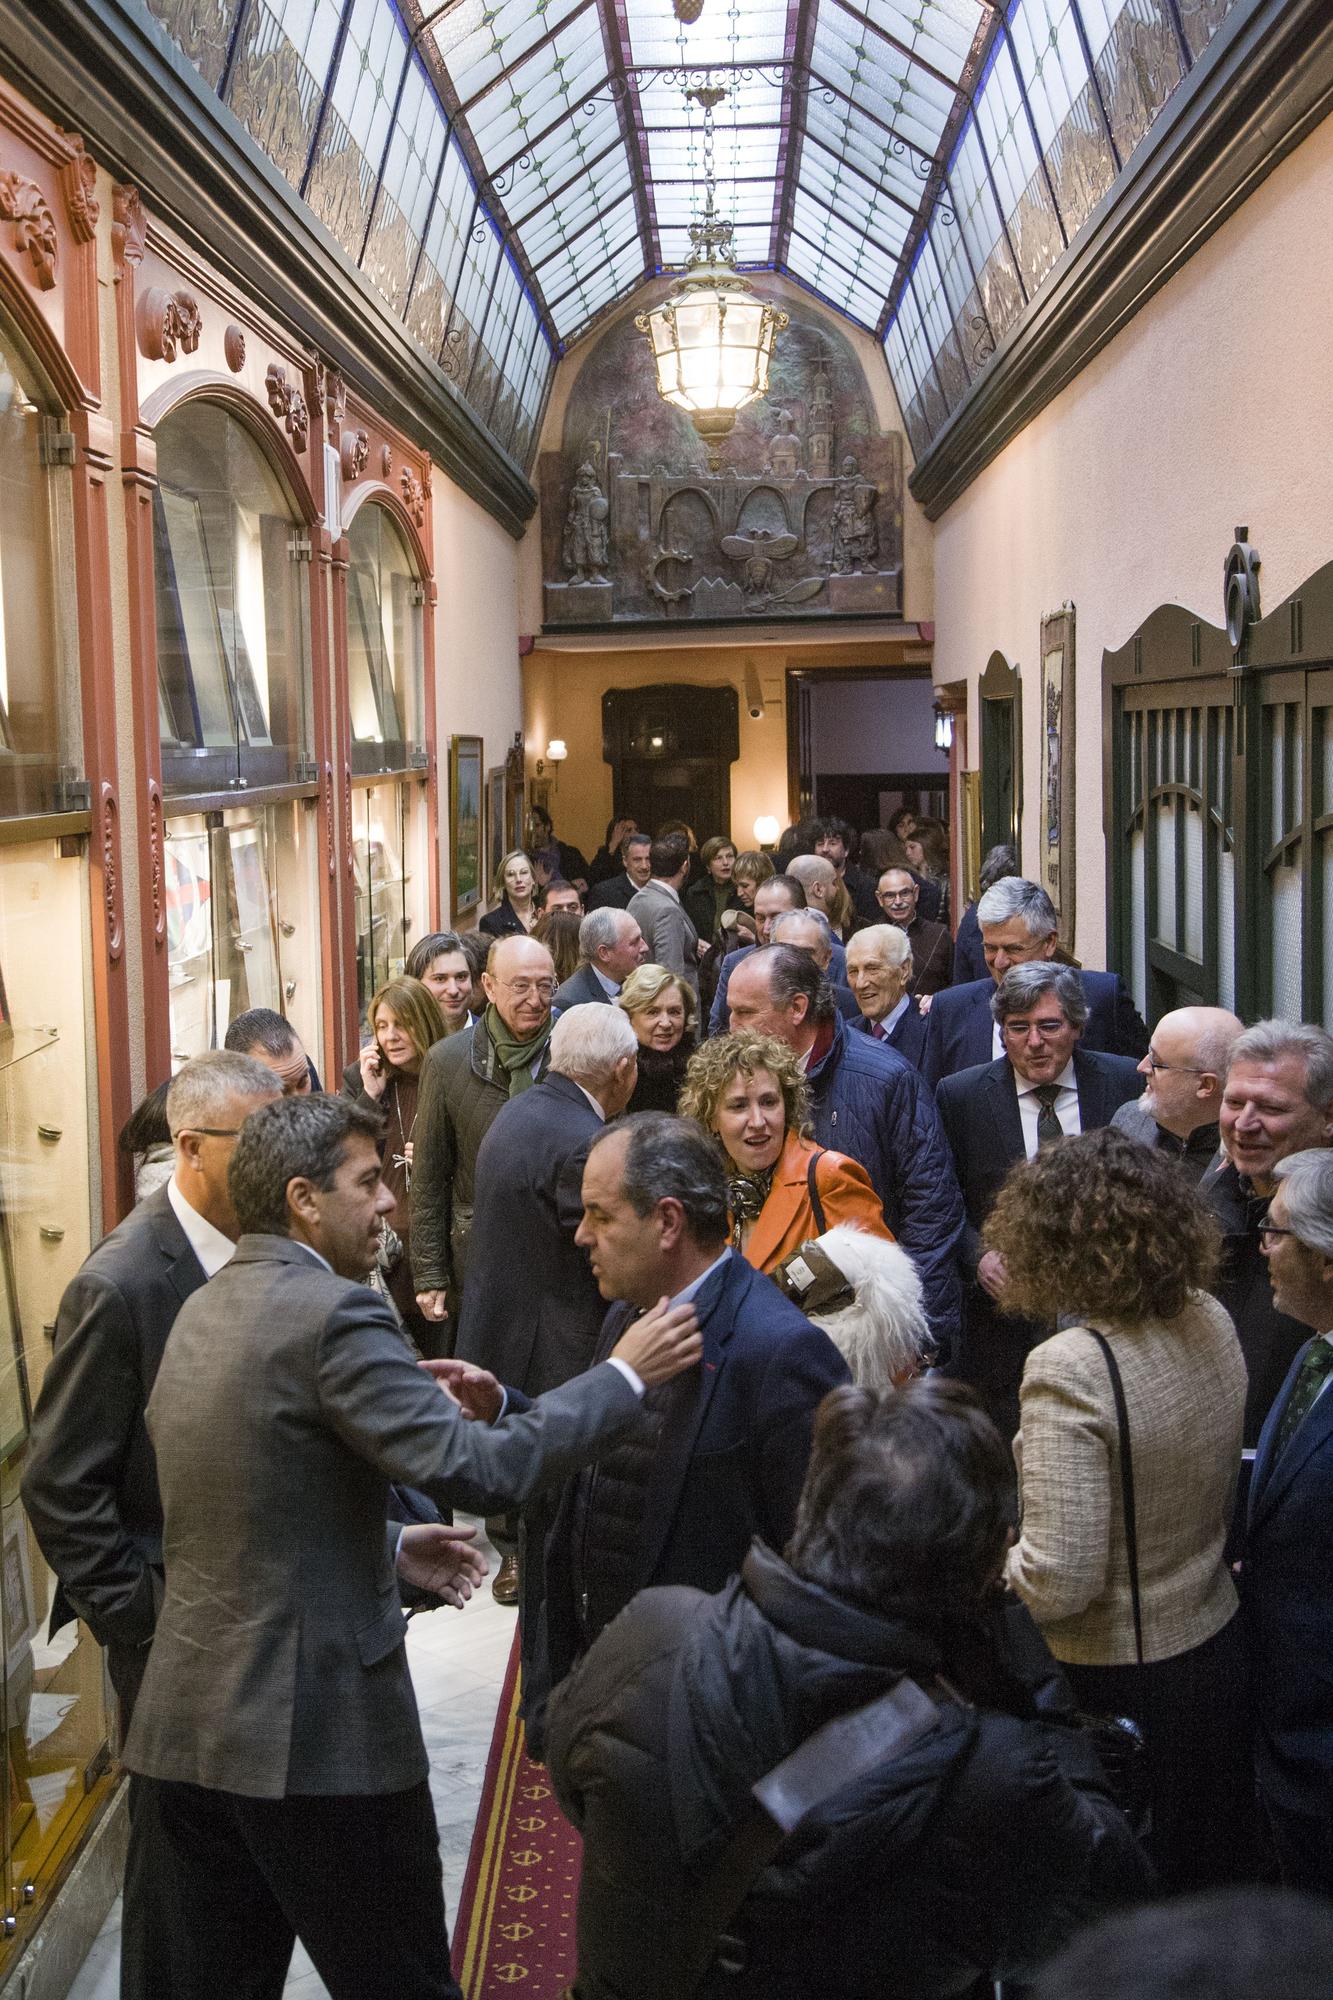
pixel 515 1923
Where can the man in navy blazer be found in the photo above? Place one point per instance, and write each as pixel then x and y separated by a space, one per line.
pixel 880 971
pixel 1019 924
pixel 720 1455
pixel 993 1116
pixel 610 946
pixel 1287 1573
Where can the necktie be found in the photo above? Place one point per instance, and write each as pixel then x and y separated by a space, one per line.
pixel 1049 1128
pixel 880 1032
pixel 1314 1372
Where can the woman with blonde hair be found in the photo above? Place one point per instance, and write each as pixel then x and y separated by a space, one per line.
pixel 752 869
pixel 663 1011
pixel 515 889
pixel 405 1021
pixel 749 1091
pixel 1128 1450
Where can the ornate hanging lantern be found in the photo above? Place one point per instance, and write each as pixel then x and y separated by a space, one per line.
pixel 712 337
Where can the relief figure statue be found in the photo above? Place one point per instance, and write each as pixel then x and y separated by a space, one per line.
pixel 586 541
pixel 855 542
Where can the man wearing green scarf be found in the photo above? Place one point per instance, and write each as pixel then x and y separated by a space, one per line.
pixel 465 1079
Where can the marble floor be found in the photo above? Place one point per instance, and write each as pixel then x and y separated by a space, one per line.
pixel 458 1665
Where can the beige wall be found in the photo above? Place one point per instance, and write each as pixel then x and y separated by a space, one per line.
pixel 563 688
pixel 478 689
pixel 1214 407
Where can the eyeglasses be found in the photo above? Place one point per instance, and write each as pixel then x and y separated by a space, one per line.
pixel 896 896
pixel 1268 1231
pixel 1043 1028
pixel 527 989
pixel 1154 1062
pixel 213 1131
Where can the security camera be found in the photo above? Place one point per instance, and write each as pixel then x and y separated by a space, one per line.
pixel 754 693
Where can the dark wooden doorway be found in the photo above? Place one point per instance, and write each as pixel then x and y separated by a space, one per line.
pixel 671 749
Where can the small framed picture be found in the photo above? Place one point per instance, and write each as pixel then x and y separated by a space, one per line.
pixel 1057 796
pixel 465 830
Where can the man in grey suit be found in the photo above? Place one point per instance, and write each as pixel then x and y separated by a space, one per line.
pixel 610 946
pixel 276 1737
pixel 658 911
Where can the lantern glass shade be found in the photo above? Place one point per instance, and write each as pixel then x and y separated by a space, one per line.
pixel 712 341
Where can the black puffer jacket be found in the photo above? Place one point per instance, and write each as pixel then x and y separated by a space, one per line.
pixel 974 1854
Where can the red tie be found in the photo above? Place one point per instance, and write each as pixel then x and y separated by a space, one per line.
pixel 880 1032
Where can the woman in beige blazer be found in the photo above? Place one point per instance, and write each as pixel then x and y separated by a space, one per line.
pixel 1100 1232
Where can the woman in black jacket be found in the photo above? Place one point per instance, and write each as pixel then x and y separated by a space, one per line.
pixel 960 1837
pixel 664 1015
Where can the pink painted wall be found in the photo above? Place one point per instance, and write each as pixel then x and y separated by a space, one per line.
pixel 1213 407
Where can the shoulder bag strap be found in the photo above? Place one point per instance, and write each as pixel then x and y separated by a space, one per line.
pixel 1126 1485
pixel 812 1183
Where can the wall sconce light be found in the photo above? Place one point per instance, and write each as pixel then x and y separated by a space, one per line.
pixel 556 750
pixel 766 830
pixel 943 728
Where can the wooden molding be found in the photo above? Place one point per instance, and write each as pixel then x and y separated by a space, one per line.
pixel 1263 84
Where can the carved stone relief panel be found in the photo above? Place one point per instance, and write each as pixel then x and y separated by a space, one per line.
pixel 803 519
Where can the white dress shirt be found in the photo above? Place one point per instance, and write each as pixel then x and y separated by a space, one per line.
pixel 610 987
pixel 1065 1107
pixel 209 1245
pixel 997 1048
pixel 889 1021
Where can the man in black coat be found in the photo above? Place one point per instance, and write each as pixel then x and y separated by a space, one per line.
pixel 719 1456
pixel 636 869
pixel 1045 1087
pixel 534 1321
pixel 897 897
pixel 610 946
pixel 1018 926
pixel 1277 1100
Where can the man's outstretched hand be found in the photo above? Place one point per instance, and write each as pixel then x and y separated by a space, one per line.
pixel 475 1390
pixel 665 1342
pixel 435 1557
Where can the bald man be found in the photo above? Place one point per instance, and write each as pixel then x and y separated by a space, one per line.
pixel 817 876
pixel 1185 1068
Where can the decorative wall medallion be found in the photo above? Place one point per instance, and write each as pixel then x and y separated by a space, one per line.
pixel 288 405
pixel 155 863
pixel 328 819
pixel 355 454
pixel 129 224
pixel 78 178
pixel 348 850
pixel 386 460
pixel 23 203
pixel 233 347
pixel 115 937
pixel 167 323
pixel 414 497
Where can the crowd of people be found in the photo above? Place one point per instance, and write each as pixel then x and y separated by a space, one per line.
pixel 892 1378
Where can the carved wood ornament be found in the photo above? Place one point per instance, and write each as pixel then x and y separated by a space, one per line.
pixel 233 348
pixel 288 405
pixel 167 323
pixel 355 454
pixel 414 495
pixel 129 225
pixel 78 178
pixel 24 205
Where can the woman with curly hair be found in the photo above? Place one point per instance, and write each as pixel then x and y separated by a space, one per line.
pixel 1120 1557
pixel 749 1091
pixel 663 1011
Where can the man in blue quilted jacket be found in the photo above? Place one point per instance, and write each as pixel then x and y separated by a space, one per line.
pixel 869 1103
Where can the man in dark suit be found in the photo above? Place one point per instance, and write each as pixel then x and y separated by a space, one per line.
pixel 276 1734
pixel 879 972
pixel 610 946
pixel 1287 1572
pixel 719 1456
pixel 534 1321
pixel 897 897
pixel 636 870
pixel 89 1480
pixel 1184 1071
pixel 1018 926
pixel 1277 1100
pixel 1045 1087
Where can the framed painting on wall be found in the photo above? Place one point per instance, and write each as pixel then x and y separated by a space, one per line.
pixel 496 823
pixel 465 831
pixel 1057 771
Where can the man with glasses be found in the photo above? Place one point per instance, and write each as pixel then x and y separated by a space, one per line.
pixel 1277 1100
pixel 1186 1061
pixel 1044 1088
pixel 932 948
pixel 90 1479
pixel 465 1081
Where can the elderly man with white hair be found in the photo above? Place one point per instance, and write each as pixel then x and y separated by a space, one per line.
pixel 534 1318
pixel 879 971
pixel 1287 1573
pixel 1018 924
pixel 610 946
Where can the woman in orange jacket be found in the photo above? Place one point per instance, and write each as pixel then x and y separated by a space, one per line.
pixel 749 1091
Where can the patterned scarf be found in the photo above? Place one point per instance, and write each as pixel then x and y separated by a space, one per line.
pixel 746 1195
pixel 517 1058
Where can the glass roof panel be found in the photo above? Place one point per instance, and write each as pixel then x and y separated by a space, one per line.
pixel 938 32
pixel 756 34
pixel 844 130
